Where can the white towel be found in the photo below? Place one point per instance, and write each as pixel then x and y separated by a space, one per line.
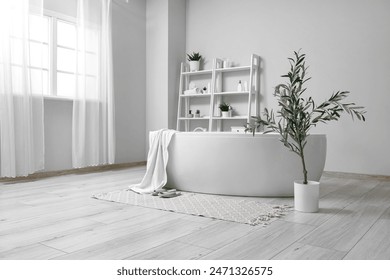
pixel 156 175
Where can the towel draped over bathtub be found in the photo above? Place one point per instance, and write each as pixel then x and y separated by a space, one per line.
pixel 156 174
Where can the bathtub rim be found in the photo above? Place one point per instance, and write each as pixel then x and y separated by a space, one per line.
pixel 229 133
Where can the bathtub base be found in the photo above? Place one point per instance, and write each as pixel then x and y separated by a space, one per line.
pixel 240 164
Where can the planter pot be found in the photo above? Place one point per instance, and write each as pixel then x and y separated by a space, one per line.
pixel 225 114
pixel 306 197
pixel 194 66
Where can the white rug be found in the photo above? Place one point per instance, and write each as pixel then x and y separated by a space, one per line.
pixel 213 206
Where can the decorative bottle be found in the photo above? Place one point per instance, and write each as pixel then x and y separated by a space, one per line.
pixel 239 86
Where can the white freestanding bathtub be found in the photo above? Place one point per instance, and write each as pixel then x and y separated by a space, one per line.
pixel 240 164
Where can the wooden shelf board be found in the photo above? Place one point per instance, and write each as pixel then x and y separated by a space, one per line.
pixel 195 95
pixel 231 69
pixel 232 93
pixel 184 119
pixel 231 118
pixel 200 72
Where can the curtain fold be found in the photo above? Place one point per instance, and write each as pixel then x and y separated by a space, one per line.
pixel 21 89
pixel 93 138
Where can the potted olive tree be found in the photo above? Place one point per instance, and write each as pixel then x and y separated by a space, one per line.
pixel 194 60
pixel 295 117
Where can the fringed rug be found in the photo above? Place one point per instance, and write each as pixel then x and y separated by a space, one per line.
pixel 213 206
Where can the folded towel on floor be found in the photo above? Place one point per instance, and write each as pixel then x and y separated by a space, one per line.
pixel 156 175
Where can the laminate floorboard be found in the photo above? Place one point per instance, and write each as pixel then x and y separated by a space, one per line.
pixel 56 218
pixel 173 250
pixel 342 231
pixel 375 244
pixel 263 243
pixel 308 252
pixel 136 242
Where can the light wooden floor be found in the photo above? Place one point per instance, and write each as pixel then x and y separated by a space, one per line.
pixel 56 218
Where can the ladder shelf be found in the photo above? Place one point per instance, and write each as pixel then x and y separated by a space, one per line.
pixel 217 91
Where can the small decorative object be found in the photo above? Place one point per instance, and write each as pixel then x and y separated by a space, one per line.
pixel 197 114
pixel 200 129
pixel 230 111
pixel 191 85
pixel 224 107
pixel 237 129
pixel 296 117
pixel 194 60
pixel 192 91
pixel 190 115
pixel 227 63
pixel 239 86
pixel 204 90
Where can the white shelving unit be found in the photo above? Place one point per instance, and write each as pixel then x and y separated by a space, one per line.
pixel 217 94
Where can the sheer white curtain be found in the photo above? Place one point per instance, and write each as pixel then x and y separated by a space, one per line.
pixel 93 108
pixel 22 76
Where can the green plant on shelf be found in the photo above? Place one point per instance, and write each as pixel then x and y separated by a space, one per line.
pixel 224 107
pixel 194 56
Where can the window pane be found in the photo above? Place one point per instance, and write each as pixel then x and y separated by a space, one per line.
pixel 17 24
pixel 39 81
pixel 39 28
pixel 91 43
pixel 66 85
pixel 66 34
pixel 88 61
pixel 16 51
pixel 91 88
pixel 2 81
pixel 91 62
pixel 16 73
pixel 39 55
pixel 66 59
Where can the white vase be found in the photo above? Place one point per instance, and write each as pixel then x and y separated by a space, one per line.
pixel 225 114
pixel 306 196
pixel 194 65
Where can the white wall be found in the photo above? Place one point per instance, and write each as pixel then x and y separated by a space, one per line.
pixel 176 54
pixel 129 50
pixel 165 49
pixel 58 134
pixel 156 64
pixel 129 56
pixel 347 44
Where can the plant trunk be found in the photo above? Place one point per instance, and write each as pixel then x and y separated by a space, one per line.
pixel 303 164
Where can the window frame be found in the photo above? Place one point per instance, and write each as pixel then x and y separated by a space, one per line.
pixel 30 41
pixel 53 30
pixel 54 17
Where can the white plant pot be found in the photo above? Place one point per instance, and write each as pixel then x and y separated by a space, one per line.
pixel 225 114
pixel 194 66
pixel 306 197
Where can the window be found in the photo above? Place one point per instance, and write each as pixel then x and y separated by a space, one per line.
pixel 65 50
pixel 53 48
pixel 36 61
pixel 39 54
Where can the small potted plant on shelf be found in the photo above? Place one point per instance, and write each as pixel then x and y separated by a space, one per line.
pixel 295 117
pixel 225 110
pixel 194 60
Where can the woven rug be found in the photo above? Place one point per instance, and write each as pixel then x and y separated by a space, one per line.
pixel 213 206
